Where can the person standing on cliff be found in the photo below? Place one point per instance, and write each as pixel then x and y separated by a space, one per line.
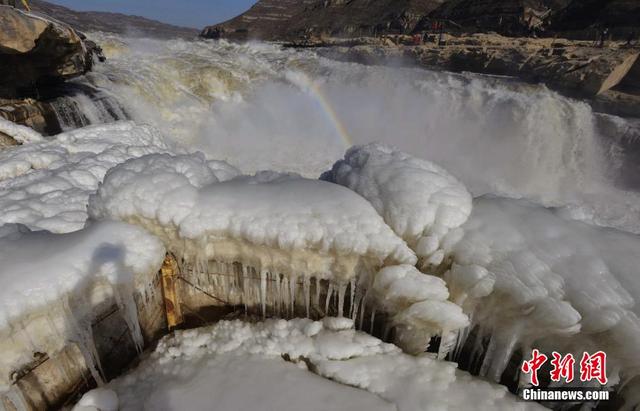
pixel 604 32
pixel 631 38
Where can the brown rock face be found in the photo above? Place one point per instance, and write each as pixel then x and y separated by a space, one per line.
pixel 291 19
pixel 580 18
pixel 507 17
pixel 36 52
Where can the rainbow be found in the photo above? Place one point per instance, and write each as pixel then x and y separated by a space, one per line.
pixel 313 89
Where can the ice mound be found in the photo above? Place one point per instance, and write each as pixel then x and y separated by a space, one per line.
pixel 277 223
pixel 46 185
pixel 50 285
pixel 192 369
pixel 421 201
pixel 529 278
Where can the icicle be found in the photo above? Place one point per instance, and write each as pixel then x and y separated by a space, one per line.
pixel 328 300
pixel 263 292
pixel 316 297
pixel 342 289
pixel 355 309
pixel 293 283
pixel 85 343
pixel 278 294
pixel 508 341
pixel 285 294
pixel 488 357
pixel 129 311
pixel 363 303
pixel 447 341
pixel 352 297
pixel 245 289
pixel 373 318
pixel 307 297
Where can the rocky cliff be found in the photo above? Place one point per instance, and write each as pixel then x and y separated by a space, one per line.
pixel 37 56
pixel 290 19
pixel 111 22
pixel 607 77
pixel 509 17
pixel 581 18
pixel 36 52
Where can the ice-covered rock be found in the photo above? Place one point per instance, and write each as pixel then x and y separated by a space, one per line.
pixel 191 369
pixel 46 185
pixel 273 222
pixel 21 134
pixel 419 200
pixel 51 286
pixel 529 278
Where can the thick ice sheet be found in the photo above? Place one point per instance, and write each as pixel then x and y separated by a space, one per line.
pixel 240 366
pixel 278 211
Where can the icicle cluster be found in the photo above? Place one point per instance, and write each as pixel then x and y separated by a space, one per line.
pixel 52 288
pixel 531 279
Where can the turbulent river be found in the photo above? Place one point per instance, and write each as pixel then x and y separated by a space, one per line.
pixel 261 107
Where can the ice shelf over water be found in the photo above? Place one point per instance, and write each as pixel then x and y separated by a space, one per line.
pixel 271 221
pixel 191 369
pixel 419 200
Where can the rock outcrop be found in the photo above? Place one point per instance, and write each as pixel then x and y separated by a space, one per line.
pixel 266 20
pixel 37 52
pixel 291 19
pixel 582 18
pixel 508 17
pixel 608 76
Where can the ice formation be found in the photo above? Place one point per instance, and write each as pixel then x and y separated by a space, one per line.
pixel 529 278
pixel 421 201
pixel 51 283
pixel 190 369
pixel 20 134
pixel 46 184
pixel 99 399
pixel 419 304
pixel 276 223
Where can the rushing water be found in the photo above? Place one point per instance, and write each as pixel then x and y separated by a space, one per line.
pixel 261 107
